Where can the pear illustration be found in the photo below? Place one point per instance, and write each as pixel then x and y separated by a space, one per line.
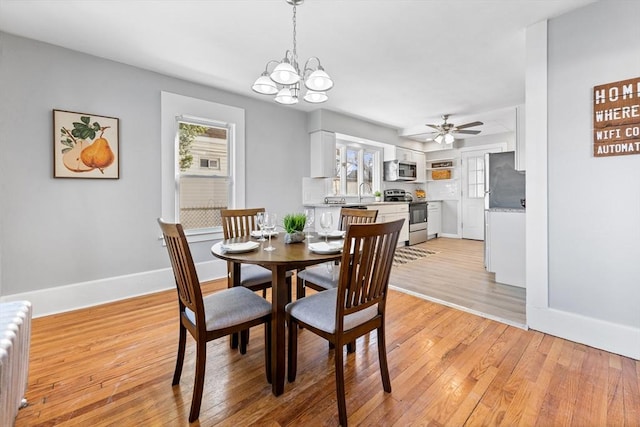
pixel 71 159
pixel 98 154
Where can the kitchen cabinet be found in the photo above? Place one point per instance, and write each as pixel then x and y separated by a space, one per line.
pixel 392 212
pixel 392 152
pixel 322 154
pixel 505 246
pixel 421 162
pixel 434 219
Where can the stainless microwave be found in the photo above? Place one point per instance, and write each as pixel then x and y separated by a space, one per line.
pixel 400 170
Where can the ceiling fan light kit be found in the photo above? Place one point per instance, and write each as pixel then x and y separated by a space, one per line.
pixel 446 130
pixel 447 138
pixel 287 74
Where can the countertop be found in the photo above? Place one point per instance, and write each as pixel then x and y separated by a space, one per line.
pixel 350 204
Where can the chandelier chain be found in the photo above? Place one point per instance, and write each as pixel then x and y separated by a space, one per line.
pixel 295 53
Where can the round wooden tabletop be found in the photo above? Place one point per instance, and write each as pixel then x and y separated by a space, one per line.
pixel 294 255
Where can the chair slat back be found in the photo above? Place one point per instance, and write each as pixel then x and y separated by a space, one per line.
pixel 184 270
pixel 366 263
pixel 239 222
pixel 357 216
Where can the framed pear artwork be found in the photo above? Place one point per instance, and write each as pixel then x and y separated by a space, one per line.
pixel 85 146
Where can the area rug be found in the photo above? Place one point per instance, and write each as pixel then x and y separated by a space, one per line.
pixel 407 254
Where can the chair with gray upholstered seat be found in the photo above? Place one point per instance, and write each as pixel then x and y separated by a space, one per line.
pixel 324 276
pixel 206 318
pixel 240 223
pixel 356 307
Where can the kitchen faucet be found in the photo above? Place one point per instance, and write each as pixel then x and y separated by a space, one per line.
pixel 362 184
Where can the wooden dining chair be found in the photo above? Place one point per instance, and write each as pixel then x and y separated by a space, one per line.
pixel 323 277
pixel 213 316
pixel 240 223
pixel 356 307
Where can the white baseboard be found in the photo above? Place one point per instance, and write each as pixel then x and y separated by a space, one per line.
pixel 87 294
pixel 611 337
pixel 449 235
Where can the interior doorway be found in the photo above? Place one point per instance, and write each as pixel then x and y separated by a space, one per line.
pixel 472 167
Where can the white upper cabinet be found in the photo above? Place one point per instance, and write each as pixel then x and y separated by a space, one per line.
pixel 322 154
pixel 392 152
pixel 421 162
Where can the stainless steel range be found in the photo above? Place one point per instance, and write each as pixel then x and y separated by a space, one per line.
pixel 417 214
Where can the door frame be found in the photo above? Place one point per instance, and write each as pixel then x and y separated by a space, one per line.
pixel 482 150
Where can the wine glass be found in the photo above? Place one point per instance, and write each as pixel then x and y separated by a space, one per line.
pixel 270 226
pixel 326 222
pixel 309 214
pixel 260 222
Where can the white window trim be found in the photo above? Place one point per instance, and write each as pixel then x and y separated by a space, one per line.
pixel 173 106
pixel 342 145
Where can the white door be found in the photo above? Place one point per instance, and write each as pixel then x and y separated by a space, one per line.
pixel 473 192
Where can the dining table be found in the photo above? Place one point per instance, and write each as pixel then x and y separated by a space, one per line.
pixel 285 257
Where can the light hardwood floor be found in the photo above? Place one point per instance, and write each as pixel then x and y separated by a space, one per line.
pixel 112 365
pixel 455 276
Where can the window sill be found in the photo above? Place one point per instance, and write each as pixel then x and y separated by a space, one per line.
pixel 195 236
pixel 203 235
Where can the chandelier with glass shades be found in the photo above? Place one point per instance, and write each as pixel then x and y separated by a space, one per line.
pixel 284 79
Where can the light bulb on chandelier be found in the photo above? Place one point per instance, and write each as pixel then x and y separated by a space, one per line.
pixel 287 74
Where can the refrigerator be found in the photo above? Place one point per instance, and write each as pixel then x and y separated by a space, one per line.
pixel 504 185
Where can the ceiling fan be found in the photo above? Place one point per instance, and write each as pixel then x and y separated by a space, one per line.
pixel 446 130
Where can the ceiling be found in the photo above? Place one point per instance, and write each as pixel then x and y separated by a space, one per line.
pixel 401 63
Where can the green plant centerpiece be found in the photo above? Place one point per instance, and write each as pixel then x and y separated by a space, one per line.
pixel 377 196
pixel 294 227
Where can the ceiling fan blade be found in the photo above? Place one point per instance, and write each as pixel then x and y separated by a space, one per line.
pixel 468 125
pixel 436 127
pixel 425 133
pixel 468 132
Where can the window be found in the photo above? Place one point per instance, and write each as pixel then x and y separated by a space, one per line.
pixel 203 188
pixel 202 163
pixel 210 163
pixel 475 177
pixel 357 164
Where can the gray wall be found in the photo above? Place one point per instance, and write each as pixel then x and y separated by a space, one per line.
pixel 55 232
pixel 594 203
pixel 353 126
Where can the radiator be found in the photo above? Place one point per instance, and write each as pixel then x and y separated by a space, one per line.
pixel 15 340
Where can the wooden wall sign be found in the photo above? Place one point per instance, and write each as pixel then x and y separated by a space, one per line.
pixel 616 118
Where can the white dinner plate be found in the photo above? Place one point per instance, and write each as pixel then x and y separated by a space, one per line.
pixel 236 248
pixel 256 233
pixel 333 234
pixel 326 248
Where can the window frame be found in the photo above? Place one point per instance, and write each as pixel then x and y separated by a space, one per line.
pixel 342 145
pixel 173 107
pixel 230 128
